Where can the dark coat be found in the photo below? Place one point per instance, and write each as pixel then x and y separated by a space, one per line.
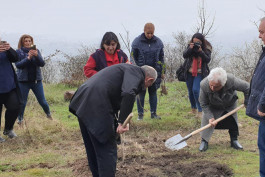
pixel 257 90
pixel 205 56
pixel 13 57
pixel 149 52
pixel 214 104
pixel 112 89
pixel 23 62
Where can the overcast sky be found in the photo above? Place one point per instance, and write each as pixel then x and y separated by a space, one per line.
pixel 54 23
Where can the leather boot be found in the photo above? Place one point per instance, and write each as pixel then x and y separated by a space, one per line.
pixel 234 142
pixel 203 146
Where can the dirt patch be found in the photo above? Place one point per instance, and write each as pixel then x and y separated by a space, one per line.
pixel 148 157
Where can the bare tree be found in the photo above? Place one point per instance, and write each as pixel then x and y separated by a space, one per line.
pixel 204 24
pixel 243 61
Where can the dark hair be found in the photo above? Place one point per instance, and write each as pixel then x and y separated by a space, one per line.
pixel 107 38
pixel 201 38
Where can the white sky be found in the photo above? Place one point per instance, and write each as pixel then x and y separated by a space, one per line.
pixel 53 22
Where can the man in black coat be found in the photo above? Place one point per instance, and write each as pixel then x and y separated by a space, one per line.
pixel 96 103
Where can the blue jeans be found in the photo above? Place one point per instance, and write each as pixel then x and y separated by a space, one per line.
pixel 152 100
pixel 261 145
pixel 193 85
pixel 37 89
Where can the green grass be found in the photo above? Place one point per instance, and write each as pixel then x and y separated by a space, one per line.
pixel 46 148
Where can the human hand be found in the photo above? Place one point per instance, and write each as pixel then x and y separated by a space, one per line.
pixel 261 114
pixel 30 55
pixel 211 121
pixel 2 48
pixel 34 52
pixel 191 45
pixel 121 130
pixel 200 49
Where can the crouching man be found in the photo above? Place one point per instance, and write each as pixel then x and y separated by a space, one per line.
pixel 96 103
pixel 217 97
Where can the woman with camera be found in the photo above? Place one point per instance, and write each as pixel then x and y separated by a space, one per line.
pixel 9 91
pixel 108 54
pixel 29 74
pixel 197 56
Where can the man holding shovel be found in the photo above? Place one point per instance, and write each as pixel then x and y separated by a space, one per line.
pixel 95 104
pixel 217 97
pixel 256 102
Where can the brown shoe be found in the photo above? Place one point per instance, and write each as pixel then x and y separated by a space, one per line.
pixel 193 111
pixel 199 115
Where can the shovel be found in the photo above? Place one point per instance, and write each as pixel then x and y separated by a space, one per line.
pixel 178 142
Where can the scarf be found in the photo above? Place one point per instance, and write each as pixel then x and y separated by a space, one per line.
pixel 196 64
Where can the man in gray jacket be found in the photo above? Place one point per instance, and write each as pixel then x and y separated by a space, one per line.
pixel 96 103
pixel 217 97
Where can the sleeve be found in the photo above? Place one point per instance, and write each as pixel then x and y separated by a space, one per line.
pixel 205 104
pixel 12 55
pixel 206 56
pixel 261 104
pixel 134 53
pixel 90 67
pixel 22 61
pixel 131 82
pixel 161 58
pixel 243 86
pixel 187 53
pixel 38 60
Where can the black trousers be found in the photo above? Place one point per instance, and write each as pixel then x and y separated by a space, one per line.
pixel 102 158
pixel 11 102
pixel 229 123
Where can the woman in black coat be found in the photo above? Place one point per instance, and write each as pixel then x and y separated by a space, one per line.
pixel 197 56
pixel 9 90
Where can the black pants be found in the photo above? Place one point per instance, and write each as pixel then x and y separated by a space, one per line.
pixel 102 158
pixel 229 123
pixel 11 102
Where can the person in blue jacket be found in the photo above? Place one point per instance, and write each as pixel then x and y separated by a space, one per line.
pixel 147 49
pixel 9 91
pixel 29 74
pixel 256 101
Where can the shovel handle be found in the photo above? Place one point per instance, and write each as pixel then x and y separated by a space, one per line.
pixel 218 120
pixel 127 120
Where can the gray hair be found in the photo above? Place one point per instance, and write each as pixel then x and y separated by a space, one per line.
pixel 149 71
pixel 219 75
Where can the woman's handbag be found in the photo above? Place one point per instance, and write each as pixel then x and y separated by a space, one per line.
pixel 180 74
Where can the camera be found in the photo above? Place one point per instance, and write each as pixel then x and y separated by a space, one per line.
pixel 196 46
pixel 33 47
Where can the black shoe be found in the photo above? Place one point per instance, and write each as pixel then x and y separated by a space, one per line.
pixel 203 146
pixel 10 133
pixel 154 116
pixel 235 144
pixel 140 117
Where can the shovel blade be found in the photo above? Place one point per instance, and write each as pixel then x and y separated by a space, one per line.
pixel 172 143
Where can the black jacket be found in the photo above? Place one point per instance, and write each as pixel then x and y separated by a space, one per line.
pixel 112 89
pixel 206 57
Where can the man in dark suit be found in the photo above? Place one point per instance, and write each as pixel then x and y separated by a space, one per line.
pixel 96 103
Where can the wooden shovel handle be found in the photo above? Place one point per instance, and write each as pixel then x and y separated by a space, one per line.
pixel 218 120
pixel 127 120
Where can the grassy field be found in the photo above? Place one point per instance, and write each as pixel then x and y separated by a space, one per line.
pixel 51 148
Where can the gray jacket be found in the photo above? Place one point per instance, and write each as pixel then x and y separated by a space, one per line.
pixel 214 104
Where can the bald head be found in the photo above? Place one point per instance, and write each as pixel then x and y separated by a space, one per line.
pixel 149 29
